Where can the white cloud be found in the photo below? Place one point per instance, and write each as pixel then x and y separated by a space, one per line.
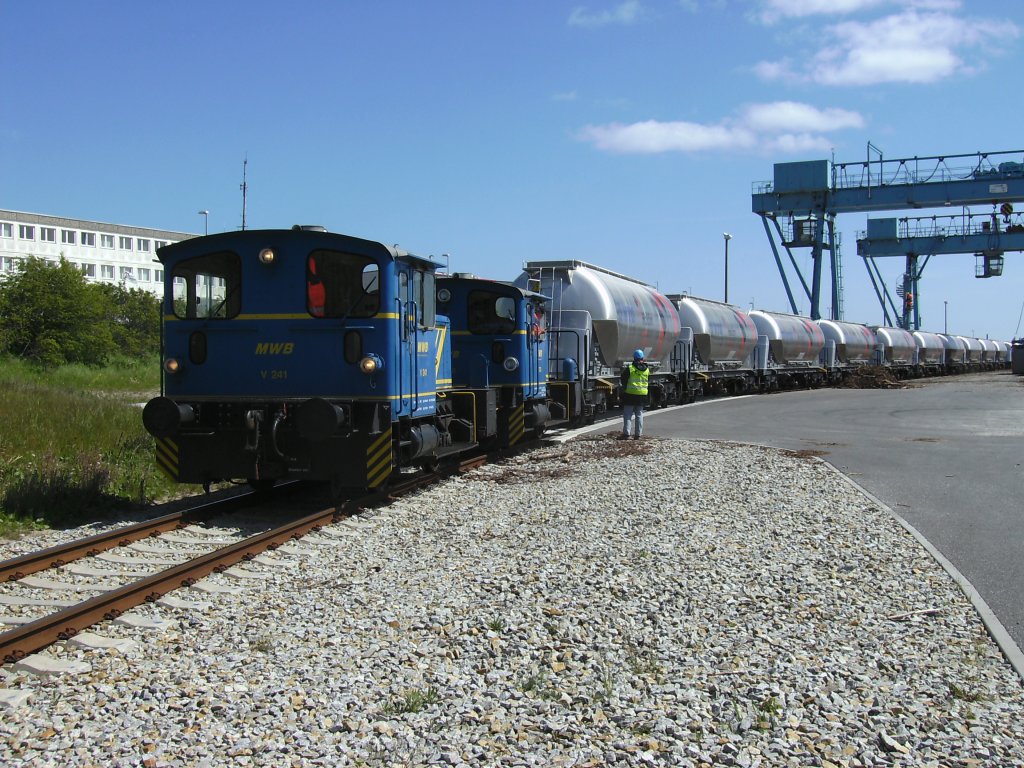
pixel 624 13
pixel 908 47
pixel 653 137
pixel 774 10
pixel 792 115
pixel 564 96
pixel 786 126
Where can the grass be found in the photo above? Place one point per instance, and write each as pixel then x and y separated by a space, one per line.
pixel 411 700
pixel 73 448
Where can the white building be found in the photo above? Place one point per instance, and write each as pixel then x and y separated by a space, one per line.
pixel 106 253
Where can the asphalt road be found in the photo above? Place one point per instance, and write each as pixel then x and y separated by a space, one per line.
pixel 947 454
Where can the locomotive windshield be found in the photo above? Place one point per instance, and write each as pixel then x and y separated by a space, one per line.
pixel 208 286
pixel 342 284
pixel 491 312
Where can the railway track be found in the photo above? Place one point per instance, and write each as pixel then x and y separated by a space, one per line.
pixel 36 634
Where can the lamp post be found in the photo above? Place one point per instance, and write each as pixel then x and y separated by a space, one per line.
pixel 206 221
pixel 945 317
pixel 727 237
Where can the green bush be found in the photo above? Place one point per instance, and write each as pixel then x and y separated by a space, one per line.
pixel 51 315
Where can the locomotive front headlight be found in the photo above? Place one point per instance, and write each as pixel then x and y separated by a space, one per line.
pixel 510 364
pixel 371 364
pixel 267 256
pixel 171 365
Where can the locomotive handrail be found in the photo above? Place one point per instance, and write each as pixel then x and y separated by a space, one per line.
pixel 398 354
pixel 414 404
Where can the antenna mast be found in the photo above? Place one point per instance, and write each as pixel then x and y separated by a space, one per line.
pixel 244 186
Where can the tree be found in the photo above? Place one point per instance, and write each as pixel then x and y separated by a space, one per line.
pixel 136 319
pixel 50 314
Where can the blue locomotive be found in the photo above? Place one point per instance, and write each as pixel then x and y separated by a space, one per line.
pixel 307 354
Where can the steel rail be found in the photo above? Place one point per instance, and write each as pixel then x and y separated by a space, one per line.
pixel 61 554
pixel 17 643
pixel 29 638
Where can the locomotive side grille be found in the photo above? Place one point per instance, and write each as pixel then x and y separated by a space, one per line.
pixel 378 459
pixel 167 457
pixel 517 424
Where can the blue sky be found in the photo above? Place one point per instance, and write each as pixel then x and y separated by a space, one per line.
pixel 624 133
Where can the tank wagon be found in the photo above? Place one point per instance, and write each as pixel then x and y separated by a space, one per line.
pixel 791 348
pixel 931 351
pixel 597 319
pixel 897 348
pixel 716 345
pixel 848 346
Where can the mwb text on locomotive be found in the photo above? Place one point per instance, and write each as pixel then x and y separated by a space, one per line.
pixel 307 354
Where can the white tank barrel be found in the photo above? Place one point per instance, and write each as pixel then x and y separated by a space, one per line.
pixel 791 338
pixel 855 343
pixel 899 345
pixel 722 334
pixel 626 313
pixel 956 350
pixel 931 347
pixel 972 348
pixel 989 350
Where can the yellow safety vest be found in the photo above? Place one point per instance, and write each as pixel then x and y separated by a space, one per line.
pixel 637 383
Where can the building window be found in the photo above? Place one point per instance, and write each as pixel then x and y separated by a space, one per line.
pixel 25 232
pixel 125 243
pixel 142 245
pixel 6 230
pixel 143 274
pixel 89 238
pixel 89 270
pixel 159 275
pixel 8 264
pixel 47 235
pixel 107 271
pixel 126 274
pixel 67 236
pixel 107 241
pixel 160 244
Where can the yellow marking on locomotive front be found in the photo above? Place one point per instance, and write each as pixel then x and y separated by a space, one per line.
pixel 378 459
pixel 274 347
pixel 167 457
pixel 441 331
pixel 517 424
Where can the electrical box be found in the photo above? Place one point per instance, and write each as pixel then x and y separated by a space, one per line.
pixel 805 176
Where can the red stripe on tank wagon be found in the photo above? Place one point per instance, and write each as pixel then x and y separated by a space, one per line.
pixel 807 327
pixel 661 305
pixel 743 338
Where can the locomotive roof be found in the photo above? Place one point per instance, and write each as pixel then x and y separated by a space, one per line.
pixel 222 239
pixel 486 281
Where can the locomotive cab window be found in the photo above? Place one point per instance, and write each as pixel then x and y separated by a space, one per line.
pixel 342 285
pixel 425 297
pixel 208 286
pixel 491 312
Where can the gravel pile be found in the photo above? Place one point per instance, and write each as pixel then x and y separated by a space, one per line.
pixel 598 603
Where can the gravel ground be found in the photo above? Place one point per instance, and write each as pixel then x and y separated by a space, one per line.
pixel 599 603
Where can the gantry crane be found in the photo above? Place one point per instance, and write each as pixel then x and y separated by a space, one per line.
pixel 805 197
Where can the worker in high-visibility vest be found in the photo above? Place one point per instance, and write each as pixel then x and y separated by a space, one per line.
pixel 635 378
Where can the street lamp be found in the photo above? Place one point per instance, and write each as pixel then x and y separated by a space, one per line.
pixel 945 317
pixel 727 237
pixel 206 221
